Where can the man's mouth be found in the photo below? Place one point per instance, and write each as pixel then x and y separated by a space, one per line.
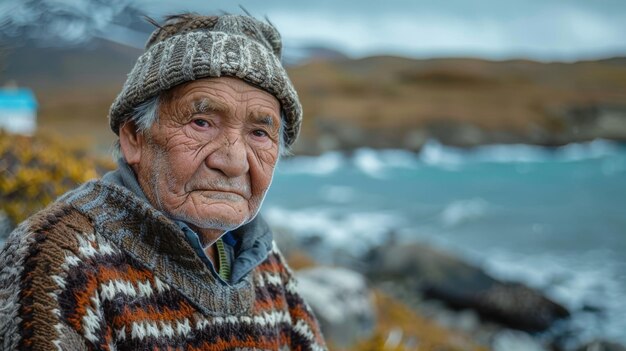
pixel 229 195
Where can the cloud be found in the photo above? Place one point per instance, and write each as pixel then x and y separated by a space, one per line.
pixel 58 22
pixel 550 33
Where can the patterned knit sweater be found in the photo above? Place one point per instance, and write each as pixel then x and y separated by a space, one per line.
pixel 101 270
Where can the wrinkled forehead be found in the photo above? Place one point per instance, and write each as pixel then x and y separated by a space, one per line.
pixel 223 95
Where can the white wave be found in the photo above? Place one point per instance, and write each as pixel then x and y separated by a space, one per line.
pixel 369 162
pixel 435 154
pixel 461 211
pixel 322 165
pixel 582 151
pixel 375 162
pixel 353 231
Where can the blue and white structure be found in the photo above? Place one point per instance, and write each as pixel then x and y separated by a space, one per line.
pixel 18 110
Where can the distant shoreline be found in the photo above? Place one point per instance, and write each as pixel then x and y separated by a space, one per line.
pixel 379 102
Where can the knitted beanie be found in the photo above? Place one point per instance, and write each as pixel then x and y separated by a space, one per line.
pixel 190 46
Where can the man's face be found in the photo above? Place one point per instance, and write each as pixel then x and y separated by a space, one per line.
pixel 210 157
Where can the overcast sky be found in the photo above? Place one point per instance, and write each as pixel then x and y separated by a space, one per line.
pixel 495 29
pixel 540 29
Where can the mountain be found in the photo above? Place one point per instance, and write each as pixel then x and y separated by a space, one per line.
pixel 97 62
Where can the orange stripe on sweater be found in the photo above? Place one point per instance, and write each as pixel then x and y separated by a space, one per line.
pixel 130 273
pixel 149 313
pixel 248 342
pixel 271 266
pixel 82 301
pixel 264 305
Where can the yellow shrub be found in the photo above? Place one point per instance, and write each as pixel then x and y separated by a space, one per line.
pixel 36 170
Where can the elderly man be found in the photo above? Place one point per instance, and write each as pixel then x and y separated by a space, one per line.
pixel 168 252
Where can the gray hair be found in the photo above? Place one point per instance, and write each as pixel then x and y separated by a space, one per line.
pixel 146 113
pixel 143 117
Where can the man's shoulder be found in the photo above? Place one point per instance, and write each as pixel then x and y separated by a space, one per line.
pixel 60 226
pixel 57 225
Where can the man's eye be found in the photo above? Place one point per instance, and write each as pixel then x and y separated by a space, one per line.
pixel 259 133
pixel 200 123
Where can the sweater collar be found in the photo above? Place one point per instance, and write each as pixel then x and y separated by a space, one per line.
pixel 156 242
pixel 253 240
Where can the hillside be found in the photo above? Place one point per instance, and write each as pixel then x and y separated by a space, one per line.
pixel 398 102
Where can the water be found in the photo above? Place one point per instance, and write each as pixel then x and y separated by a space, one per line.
pixel 552 218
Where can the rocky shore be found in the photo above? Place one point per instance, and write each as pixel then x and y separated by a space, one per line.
pixel 443 289
pixel 576 124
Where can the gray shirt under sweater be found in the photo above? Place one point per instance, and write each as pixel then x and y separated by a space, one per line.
pixel 246 246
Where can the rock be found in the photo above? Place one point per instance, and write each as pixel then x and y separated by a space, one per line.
pixel 415 139
pixel 441 276
pixel 466 321
pixel 601 345
pixel 341 301
pixel 456 133
pixel 588 122
pixel 511 340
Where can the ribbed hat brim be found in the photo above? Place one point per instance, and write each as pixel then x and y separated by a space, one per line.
pixel 194 55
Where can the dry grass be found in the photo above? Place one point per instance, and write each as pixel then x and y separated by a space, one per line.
pixel 391 96
pixel 388 93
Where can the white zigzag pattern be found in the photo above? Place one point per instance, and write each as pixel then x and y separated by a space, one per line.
pixel 70 261
pixel 113 287
pixel 57 342
pixel 266 319
pixel 105 248
pixel 120 334
pixel 273 279
pixel 303 329
pixel 109 289
pixel 269 279
pixel 141 330
pixel 160 286
pixel 291 286
pixel 59 281
pixel 85 247
pixel 92 319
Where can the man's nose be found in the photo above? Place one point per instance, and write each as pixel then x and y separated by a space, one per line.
pixel 230 157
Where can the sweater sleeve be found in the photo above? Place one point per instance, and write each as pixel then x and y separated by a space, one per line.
pixel 35 313
pixel 305 329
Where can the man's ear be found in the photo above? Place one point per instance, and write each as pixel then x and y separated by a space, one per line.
pixel 131 143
